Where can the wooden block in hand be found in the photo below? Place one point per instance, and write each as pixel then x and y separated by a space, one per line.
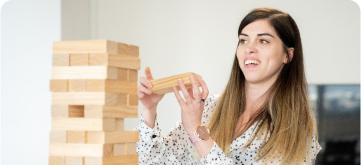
pixel 58 85
pixel 165 85
pixel 84 72
pixel 115 60
pixel 80 150
pixel 85 46
pixel 61 60
pixel 67 110
pixel 116 86
pixel 110 111
pixel 99 137
pixel 83 98
pixel 115 160
pixel 87 124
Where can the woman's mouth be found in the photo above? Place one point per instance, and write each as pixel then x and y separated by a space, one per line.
pixel 249 64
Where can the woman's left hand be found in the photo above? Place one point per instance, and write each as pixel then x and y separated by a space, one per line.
pixel 192 108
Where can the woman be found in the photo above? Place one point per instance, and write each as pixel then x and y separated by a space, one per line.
pixel 263 115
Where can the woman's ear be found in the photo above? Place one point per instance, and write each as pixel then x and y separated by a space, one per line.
pixel 290 55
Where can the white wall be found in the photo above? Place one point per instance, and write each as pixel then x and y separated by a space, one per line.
pixel 201 37
pixel 174 37
pixel 28 29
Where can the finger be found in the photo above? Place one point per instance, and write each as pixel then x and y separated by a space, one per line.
pixel 148 74
pixel 142 89
pixel 179 97
pixel 184 91
pixel 145 82
pixel 197 92
pixel 190 91
pixel 205 90
pixel 141 95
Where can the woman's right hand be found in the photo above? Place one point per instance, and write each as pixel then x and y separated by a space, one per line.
pixel 145 95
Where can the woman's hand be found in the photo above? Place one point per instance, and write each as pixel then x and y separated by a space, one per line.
pixel 191 108
pixel 145 95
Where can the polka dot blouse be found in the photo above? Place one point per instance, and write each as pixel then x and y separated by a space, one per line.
pixel 175 148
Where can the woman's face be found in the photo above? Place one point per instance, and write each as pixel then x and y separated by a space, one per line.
pixel 262 50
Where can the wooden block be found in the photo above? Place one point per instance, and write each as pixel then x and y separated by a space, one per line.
pixel 77 85
pixel 69 160
pixel 122 48
pixel 131 148
pixel 165 85
pixel 122 74
pixel 133 50
pixel 67 111
pixel 61 60
pixel 97 137
pixel 98 59
pixel 111 86
pixel 85 46
pixel 76 137
pixel 110 111
pixel 81 59
pixel 119 124
pixel 122 159
pixel 84 124
pixel 57 136
pixel 80 150
pixel 56 160
pixel 132 75
pixel 58 85
pixel 115 60
pixel 119 149
pixel 84 72
pixel 132 99
pixel 83 98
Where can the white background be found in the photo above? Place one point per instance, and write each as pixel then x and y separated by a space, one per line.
pixel 174 37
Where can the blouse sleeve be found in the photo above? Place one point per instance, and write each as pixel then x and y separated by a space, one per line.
pixel 152 148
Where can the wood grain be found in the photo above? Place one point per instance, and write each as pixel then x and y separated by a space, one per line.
pixel 84 72
pixel 110 111
pixel 83 98
pixel 165 85
pixel 98 137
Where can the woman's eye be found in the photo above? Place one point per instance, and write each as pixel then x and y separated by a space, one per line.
pixel 264 41
pixel 242 41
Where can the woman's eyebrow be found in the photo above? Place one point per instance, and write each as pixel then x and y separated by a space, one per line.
pixel 261 34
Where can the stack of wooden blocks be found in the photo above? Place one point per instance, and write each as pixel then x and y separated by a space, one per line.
pixel 94 87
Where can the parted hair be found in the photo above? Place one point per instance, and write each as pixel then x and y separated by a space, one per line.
pixel 284 113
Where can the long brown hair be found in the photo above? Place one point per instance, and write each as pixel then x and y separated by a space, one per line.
pixel 286 110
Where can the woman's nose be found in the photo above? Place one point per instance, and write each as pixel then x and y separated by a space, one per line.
pixel 251 48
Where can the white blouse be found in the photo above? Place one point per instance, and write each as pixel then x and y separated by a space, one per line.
pixel 175 148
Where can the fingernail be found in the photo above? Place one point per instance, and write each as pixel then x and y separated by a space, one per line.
pixel 179 80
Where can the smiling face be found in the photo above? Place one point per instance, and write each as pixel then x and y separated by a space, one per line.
pixel 260 53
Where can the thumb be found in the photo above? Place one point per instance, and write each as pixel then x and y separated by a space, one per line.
pixel 148 74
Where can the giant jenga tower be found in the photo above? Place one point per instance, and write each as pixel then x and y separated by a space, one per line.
pixel 94 87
